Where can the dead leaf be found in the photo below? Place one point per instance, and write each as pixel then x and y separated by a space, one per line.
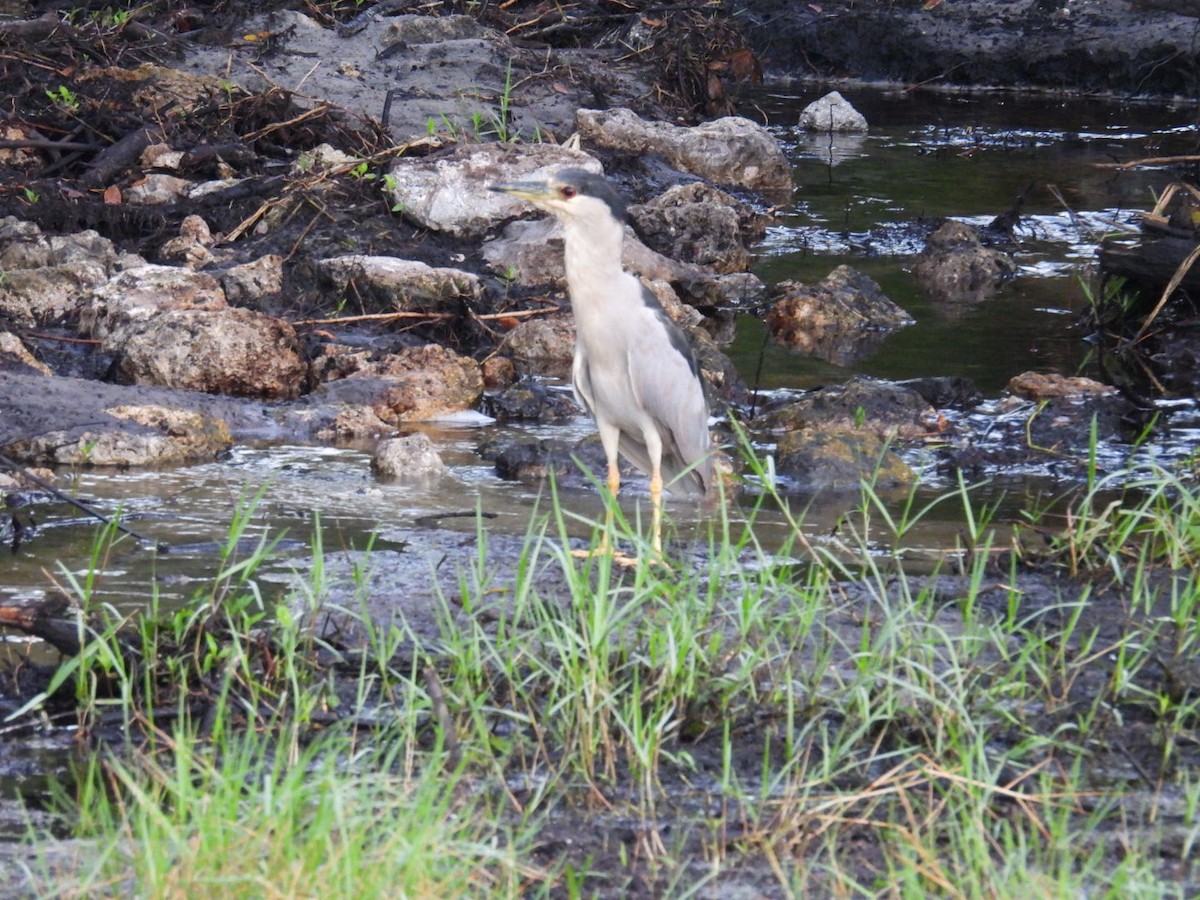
pixel 112 195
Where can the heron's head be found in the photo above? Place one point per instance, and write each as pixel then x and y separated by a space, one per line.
pixel 571 194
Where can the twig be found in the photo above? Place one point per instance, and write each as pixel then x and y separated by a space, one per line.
pixel 1149 161
pixel 159 546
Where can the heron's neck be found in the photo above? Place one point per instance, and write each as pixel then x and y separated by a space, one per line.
pixel 593 264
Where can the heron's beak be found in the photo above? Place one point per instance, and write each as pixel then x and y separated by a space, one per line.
pixel 533 191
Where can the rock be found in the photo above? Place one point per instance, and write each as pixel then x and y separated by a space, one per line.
pixel 40 296
pixel 720 375
pixel 408 458
pixel 157 188
pixel 191 247
pixel 544 345
pixel 955 267
pixel 532 252
pixel 135 296
pixel 882 409
pixel 160 436
pixel 46 278
pixel 498 371
pixel 678 311
pixel 842 318
pixel 531 401
pixel 15 355
pixel 832 113
pixel 413 385
pixel 232 351
pixel 253 281
pixel 354 423
pixel 1041 386
pixel 695 223
pixel 531 461
pixel 449 192
pixel 159 90
pixel 946 391
pixel 401 284
pixel 813 460
pixel 729 151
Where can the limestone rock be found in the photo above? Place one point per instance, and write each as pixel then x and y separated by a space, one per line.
pixel 15 355
pixel 544 345
pixel 409 458
pixel 232 351
pixel 696 223
pixel 165 436
pixel 402 284
pixel 416 384
pixel 252 281
pixel 730 150
pixel 882 409
pixel 135 296
pixel 832 113
pixel 450 193
pixel 1040 386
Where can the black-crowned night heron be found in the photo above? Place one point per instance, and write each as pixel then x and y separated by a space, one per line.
pixel 634 370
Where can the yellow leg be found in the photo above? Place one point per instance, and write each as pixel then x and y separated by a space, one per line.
pixel 656 487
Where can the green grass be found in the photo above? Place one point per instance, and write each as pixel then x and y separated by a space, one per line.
pixel 806 719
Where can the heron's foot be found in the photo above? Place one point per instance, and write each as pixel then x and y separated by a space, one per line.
pixel 619 558
pixel 623 560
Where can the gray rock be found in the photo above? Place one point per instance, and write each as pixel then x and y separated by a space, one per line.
pixel 46 279
pixel 15 355
pixel 404 285
pixel 882 409
pixel 699 224
pixel 814 460
pixel 832 113
pixel 135 296
pixel 956 268
pixel 416 384
pixel 450 193
pixel 232 351
pixel 153 435
pixel 729 151
pixel 542 346
pixel 252 281
pixel 408 458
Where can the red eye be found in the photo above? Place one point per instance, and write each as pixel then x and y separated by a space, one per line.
pixel 566 192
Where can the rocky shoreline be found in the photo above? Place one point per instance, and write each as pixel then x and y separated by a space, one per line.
pixel 292 250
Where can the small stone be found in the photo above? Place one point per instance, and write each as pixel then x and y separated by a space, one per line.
pixel 832 113
pixel 409 458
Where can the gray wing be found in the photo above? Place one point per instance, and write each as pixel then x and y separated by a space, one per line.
pixel 666 379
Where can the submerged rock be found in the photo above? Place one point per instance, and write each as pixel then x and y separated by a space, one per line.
pixel 813 460
pixel 883 409
pixel 729 151
pixel 956 268
pixel 842 318
pixel 531 401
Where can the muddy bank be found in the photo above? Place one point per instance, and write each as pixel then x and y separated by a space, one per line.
pixel 1119 47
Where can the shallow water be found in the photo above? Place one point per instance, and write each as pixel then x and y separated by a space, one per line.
pixel 927 154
